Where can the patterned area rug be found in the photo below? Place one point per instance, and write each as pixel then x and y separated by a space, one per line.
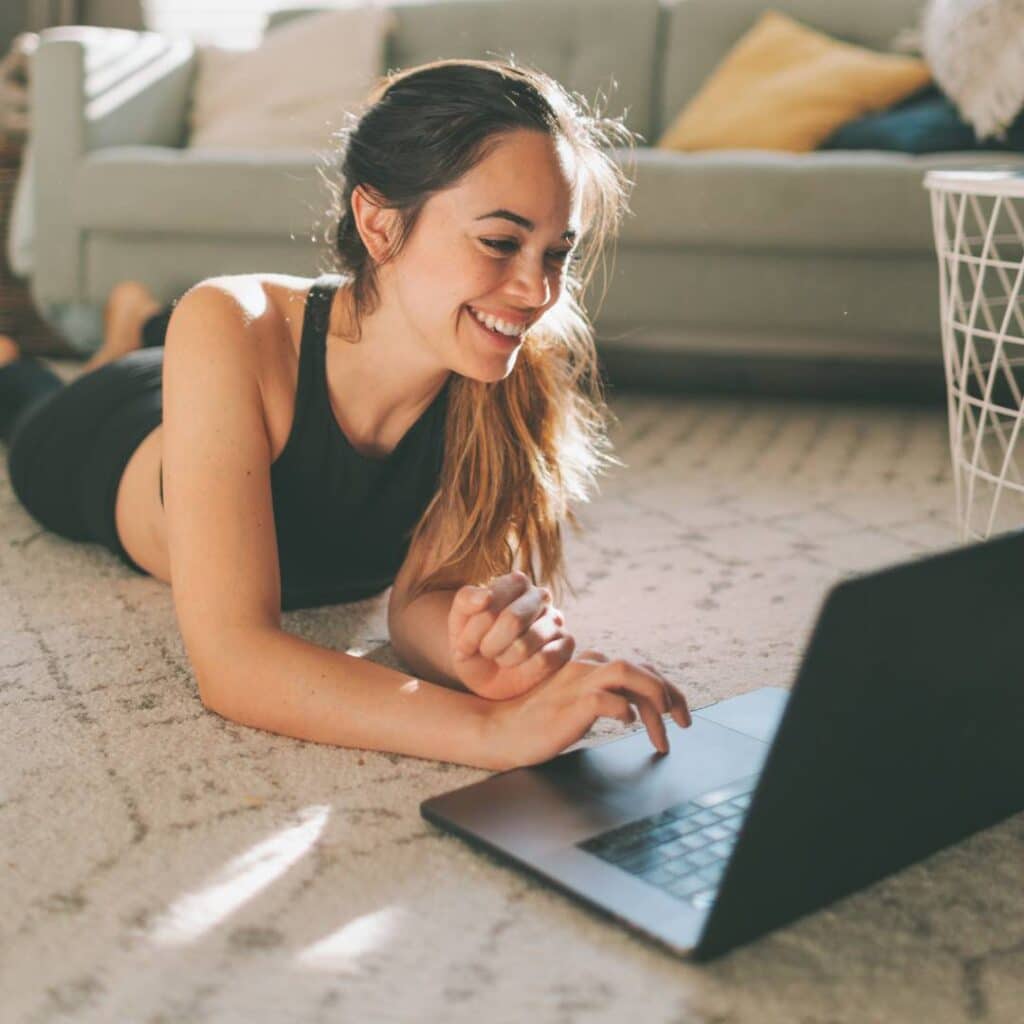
pixel 162 864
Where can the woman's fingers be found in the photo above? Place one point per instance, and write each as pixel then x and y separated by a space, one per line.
pixel 645 690
pixel 652 696
pixel 611 705
pixel 680 707
pixel 470 631
pixel 466 605
pixel 540 632
pixel 549 659
pixel 654 724
pixel 467 641
pixel 513 621
pixel 521 636
pixel 547 718
pixel 646 687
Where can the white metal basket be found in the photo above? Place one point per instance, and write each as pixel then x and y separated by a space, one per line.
pixel 978 218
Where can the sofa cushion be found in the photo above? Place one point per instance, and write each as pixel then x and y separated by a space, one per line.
pixel 826 201
pixel 593 47
pixel 293 88
pixel 928 124
pixel 197 191
pixel 698 33
pixel 785 86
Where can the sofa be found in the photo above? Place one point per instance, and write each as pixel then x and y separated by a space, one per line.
pixel 810 274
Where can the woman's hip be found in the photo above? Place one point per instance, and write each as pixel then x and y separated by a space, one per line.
pixel 67 455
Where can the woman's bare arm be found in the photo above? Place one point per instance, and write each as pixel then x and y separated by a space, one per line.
pixel 419 633
pixel 225 577
pixel 286 685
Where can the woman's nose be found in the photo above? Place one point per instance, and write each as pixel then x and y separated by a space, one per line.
pixel 532 284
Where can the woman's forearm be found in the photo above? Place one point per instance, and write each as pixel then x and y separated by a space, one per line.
pixel 286 685
pixel 419 634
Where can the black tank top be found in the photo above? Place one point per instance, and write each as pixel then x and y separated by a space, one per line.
pixel 343 520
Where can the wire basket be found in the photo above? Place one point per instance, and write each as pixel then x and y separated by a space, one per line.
pixel 978 219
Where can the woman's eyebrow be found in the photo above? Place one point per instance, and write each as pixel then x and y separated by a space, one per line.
pixel 523 222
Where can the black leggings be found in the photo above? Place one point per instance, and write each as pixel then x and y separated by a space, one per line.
pixel 68 444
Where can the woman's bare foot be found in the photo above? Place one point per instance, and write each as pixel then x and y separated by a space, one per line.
pixel 9 350
pixel 129 305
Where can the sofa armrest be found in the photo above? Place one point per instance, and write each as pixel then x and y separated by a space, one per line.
pixel 101 87
pixel 92 88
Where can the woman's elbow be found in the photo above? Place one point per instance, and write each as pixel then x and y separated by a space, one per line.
pixel 212 692
pixel 228 665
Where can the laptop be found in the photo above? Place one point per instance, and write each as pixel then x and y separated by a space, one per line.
pixel 902 733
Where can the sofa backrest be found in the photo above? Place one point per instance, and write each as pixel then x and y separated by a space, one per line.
pixel 589 46
pixel 698 33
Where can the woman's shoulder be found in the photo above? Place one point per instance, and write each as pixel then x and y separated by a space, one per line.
pixel 258 298
pixel 236 327
pixel 263 310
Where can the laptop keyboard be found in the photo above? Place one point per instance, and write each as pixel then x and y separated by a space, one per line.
pixel 683 849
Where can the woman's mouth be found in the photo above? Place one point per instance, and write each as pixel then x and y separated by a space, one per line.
pixel 505 342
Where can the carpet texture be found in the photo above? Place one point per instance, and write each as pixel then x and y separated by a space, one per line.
pixel 160 864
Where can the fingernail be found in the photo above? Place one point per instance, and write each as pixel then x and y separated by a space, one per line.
pixel 479 597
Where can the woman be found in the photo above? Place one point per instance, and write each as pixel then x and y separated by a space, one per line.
pixel 440 382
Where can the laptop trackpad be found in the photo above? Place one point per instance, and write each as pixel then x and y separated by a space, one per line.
pixel 627 779
pixel 757 713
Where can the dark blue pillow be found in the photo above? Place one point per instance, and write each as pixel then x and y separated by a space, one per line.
pixel 925 122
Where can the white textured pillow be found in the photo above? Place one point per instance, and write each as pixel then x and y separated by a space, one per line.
pixel 975 49
pixel 294 88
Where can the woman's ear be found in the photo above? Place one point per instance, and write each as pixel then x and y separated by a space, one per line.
pixel 377 225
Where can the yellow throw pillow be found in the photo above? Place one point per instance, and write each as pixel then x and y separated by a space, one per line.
pixel 786 86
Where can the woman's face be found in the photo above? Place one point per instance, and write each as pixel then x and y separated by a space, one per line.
pixel 464 255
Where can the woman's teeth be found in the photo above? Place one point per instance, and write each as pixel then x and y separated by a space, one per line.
pixel 496 325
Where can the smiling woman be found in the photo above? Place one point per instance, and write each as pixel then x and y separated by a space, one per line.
pixel 498 211
pixel 422 414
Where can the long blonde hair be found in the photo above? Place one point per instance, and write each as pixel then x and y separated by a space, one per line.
pixel 520 450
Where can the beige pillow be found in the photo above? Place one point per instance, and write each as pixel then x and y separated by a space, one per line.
pixel 786 86
pixel 293 89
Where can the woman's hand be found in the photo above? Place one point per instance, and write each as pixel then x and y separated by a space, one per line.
pixel 544 721
pixel 506 637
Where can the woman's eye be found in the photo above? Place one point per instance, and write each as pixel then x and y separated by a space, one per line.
pixel 507 246
pixel 501 244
